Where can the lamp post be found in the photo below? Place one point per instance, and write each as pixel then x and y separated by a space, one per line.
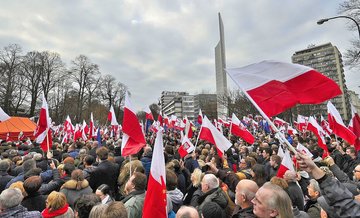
pixel 346 17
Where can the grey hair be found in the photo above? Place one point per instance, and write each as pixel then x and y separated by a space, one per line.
pixel 211 181
pixel 315 185
pixel 10 198
pixel 249 195
pixel 28 165
pixel 97 210
pixel 280 200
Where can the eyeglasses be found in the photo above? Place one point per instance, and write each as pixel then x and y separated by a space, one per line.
pixel 356 171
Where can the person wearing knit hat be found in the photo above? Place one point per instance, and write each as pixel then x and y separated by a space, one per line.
pixel 4 175
pixel 212 210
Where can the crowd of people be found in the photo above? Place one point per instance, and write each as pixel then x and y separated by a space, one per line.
pixel 88 179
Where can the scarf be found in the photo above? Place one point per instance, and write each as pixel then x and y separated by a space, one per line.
pixel 48 214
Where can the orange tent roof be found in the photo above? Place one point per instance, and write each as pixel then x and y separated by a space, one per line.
pixel 15 125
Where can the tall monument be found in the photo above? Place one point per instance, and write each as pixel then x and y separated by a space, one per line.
pixel 220 65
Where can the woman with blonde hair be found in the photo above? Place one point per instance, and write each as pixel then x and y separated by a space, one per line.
pixel 194 190
pixel 75 187
pixel 57 206
pixel 19 185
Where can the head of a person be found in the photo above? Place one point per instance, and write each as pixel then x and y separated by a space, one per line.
pixel 32 184
pixel 10 198
pixel 351 152
pixel 313 189
pixel 103 191
pixel 266 152
pixel 356 173
pixel 55 200
pixel 84 204
pixel 116 209
pixel 209 182
pixel 245 191
pixel 78 176
pixel 275 160
pixel 102 153
pixel 272 201
pixel 171 180
pixel 19 185
pixel 187 212
pixel 68 169
pixel 212 210
pixel 28 165
pixel 97 210
pixel 290 176
pixel 137 182
pixel 88 160
pixel 280 182
pixel 4 166
pixel 196 177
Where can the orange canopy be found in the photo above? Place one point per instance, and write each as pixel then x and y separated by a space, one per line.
pixel 14 126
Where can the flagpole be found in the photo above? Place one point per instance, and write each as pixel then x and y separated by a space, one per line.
pixel 197 139
pixel 280 134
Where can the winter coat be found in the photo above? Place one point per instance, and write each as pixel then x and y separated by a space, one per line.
pixel 296 195
pixel 19 212
pixel 339 198
pixel 4 179
pixel 134 203
pixel 34 201
pixel 146 162
pixel 72 194
pixel 55 184
pixel 216 195
pixel 244 213
pixel 312 208
pixel 105 173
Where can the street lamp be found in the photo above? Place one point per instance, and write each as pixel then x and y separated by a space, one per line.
pixel 331 18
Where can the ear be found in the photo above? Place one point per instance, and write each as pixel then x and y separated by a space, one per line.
pixel 273 213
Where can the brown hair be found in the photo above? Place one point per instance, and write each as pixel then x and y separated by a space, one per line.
pixel 139 181
pixel 19 185
pixel 102 153
pixel 78 176
pixel 279 181
pixel 55 200
pixel 116 209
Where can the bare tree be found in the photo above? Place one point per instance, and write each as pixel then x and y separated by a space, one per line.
pixel 10 59
pixel 82 72
pixel 351 8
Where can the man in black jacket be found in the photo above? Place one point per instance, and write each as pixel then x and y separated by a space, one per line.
pixel 105 173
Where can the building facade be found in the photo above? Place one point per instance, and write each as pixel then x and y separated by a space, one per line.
pixel 326 59
pixel 167 96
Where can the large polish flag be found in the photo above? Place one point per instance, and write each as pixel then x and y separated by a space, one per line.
pixel 211 134
pixel 238 129
pixel 43 132
pixel 302 122
pixel 3 115
pixel 155 198
pixel 188 128
pixel 286 164
pixel 186 147
pixel 325 125
pixel 338 126
pixel 314 127
pixel 133 137
pixel 277 86
pixel 112 117
pixel 354 126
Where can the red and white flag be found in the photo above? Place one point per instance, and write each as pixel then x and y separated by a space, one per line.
pixel 304 150
pixel 188 128
pixel 238 129
pixel 148 113
pixel 166 121
pixel 92 127
pixel 133 138
pixel 314 127
pixel 279 122
pixel 286 164
pixel 325 125
pixel 277 86
pixel 43 133
pixel 155 198
pixel 302 122
pixel 186 147
pixel 3 115
pixel 112 117
pixel 200 117
pixel 84 130
pixel 354 126
pixel 338 126
pixel 160 119
pixel 210 133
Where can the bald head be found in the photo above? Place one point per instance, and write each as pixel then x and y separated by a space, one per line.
pixel 290 176
pixel 245 191
pixel 187 212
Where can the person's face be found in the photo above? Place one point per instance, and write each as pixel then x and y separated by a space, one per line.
pixel 272 162
pixel 204 186
pixel 238 195
pixel 356 173
pixel 242 164
pixel 311 192
pixel 129 186
pixel 261 210
pixel 100 194
pixel 264 154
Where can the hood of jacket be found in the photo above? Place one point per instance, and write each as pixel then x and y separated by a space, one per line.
pixel 175 195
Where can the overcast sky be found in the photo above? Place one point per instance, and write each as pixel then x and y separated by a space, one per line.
pixel 157 45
